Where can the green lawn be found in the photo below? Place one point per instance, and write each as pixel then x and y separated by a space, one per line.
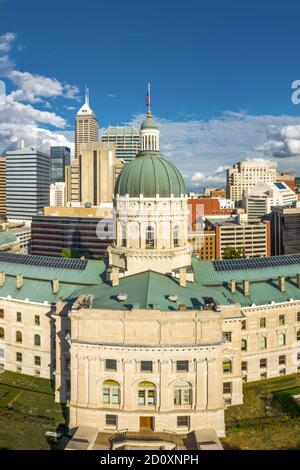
pixel 27 411
pixel 269 417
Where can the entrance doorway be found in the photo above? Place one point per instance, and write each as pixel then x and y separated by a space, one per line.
pixel 147 423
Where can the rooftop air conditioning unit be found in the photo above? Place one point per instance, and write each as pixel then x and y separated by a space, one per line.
pixel 173 298
pixel 122 297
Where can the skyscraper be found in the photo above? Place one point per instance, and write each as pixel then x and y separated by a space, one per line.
pixel 87 128
pixel 28 182
pixel 60 158
pixel 2 186
pixel 127 140
pixel 244 175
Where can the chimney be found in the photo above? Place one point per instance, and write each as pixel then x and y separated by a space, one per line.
pixel 281 283
pixel 246 288
pixel 233 286
pixel 2 279
pixel 20 281
pixel 182 308
pixel 182 277
pixel 114 277
pixel 55 286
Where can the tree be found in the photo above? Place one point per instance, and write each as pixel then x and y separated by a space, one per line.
pixel 232 253
pixel 66 253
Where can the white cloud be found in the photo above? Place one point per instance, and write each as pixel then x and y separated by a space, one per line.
pixel 203 147
pixel 6 41
pixel 6 64
pixel 282 142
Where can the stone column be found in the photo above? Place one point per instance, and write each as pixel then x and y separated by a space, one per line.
pixel 213 384
pixel 164 392
pixel 200 399
pixel 129 398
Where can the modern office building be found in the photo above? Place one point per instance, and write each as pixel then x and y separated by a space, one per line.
pixel 23 235
pixel 203 244
pixel 264 196
pixel 91 176
pixel 285 227
pixel 86 126
pixel 2 187
pixel 57 194
pixel 84 236
pixel 288 179
pixel 28 183
pixel 253 240
pixel 215 192
pixel 126 139
pixel 60 158
pixel 246 174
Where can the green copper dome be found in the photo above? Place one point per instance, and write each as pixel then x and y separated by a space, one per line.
pixel 149 123
pixel 150 174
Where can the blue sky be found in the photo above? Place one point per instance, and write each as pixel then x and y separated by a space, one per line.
pixel 221 74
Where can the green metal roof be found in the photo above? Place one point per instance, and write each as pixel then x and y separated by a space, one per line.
pixel 150 290
pixel 150 174
pixel 6 238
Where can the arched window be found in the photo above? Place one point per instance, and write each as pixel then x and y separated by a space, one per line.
pixel 227 366
pixel 262 342
pixel 37 340
pixel 176 235
pixel 244 344
pixel 281 339
pixel 19 337
pixel 146 394
pixel 150 236
pixel 182 393
pixel 2 334
pixel 111 392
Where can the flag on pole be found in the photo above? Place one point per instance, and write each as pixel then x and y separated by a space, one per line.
pixel 148 99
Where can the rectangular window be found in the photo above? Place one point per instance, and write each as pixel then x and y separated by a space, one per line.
pixel 263 375
pixel 227 336
pixel 19 357
pixel 1 313
pixel 19 316
pixel 37 372
pixel 244 325
pixel 111 420
pixel 244 366
pixel 37 360
pixel 146 366
pixel 262 322
pixel 282 360
pixel 183 421
pixel 182 366
pixel 282 372
pixel 37 320
pixel 142 397
pixel 19 369
pixel 110 364
pixel 244 378
pixel 263 363
pixel 227 387
pixel 298 315
pixel 281 320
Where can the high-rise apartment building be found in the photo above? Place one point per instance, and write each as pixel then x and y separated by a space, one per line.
pixel 91 177
pixel 2 187
pixel 57 194
pixel 244 175
pixel 285 231
pixel 126 139
pixel 60 158
pixel 87 127
pixel 28 183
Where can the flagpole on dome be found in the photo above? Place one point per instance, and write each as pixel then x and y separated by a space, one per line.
pixel 148 100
